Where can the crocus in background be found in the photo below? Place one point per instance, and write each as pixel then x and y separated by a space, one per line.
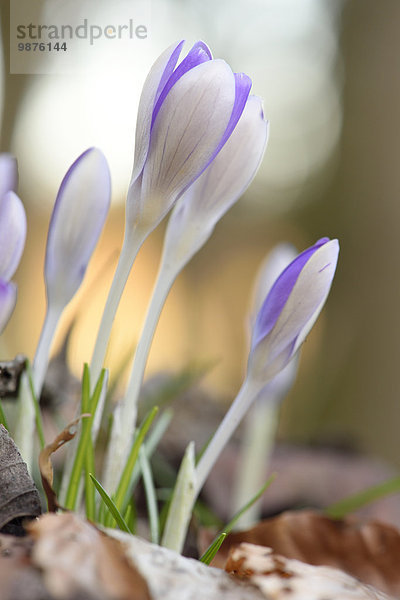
pixel 191 224
pixel 286 316
pixel 76 223
pixel 186 114
pixel 12 235
pixel 262 418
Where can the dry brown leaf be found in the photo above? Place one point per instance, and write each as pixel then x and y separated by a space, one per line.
pixel 45 466
pixel 369 551
pixel 278 577
pixel 19 496
pixel 76 558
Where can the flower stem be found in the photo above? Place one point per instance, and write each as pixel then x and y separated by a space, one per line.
pixel 130 248
pixel 125 419
pixel 236 412
pixel 133 241
pixel 24 434
pixel 255 451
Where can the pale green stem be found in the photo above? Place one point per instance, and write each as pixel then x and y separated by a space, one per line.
pixel 236 412
pixel 133 241
pixel 130 248
pixel 125 415
pixel 41 360
pixel 255 452
pixel 24 435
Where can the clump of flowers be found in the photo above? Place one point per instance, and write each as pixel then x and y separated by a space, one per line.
pixel 200 138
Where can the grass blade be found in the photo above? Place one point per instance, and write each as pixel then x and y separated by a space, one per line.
pixel 85 437
pixel 212 549
pixel 150 492
pixel 347 505
pixel 121 497
pixel 228 528
pixel 38 416
pixel 110 505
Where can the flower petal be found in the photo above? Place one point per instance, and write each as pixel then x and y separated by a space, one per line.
pixel 299 295
pixel 280 292
pixel 8 173
pixel 198 54
pixel 12 234
pixel 222 183
pixel 232 171
pixel 188 128
pixel 78 217
pixel 8 298
pixel 152 88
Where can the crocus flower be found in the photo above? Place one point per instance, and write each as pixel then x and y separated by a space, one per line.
pixel 283 322
pixel 291 309
pixel 8 298
pixel 78 217
pixel 77 220
pixel 12 235
pixel 187 112
pixel 261 420
pixel 8 173
pixel 190 226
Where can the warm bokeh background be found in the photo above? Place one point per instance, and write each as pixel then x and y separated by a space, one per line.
pixel 329 74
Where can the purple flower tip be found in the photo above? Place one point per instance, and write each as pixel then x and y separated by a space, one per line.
pixel 292 307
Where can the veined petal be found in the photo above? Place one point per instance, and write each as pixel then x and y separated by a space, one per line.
pixel 8 298
pixel 222 183
pixel 232 171
pixel 78 217
pixel 299 295
pixel 155 82
pixel 275 263
pixel 189 127
pixel 198 54
pixel 12 234
pixel 8 173
pixel 242 91
pixel 280 292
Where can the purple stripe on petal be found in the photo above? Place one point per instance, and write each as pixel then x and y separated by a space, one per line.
pixel 242 91
pixel 198 54
pixel 169 68
pixel 279 293
pixel 8 298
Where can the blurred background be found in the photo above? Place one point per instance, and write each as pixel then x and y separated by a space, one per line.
pixel 329 74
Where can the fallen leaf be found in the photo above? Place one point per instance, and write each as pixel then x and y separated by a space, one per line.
pixel 369 551
pixel 19 496
pixel 45 466
pixel 278 577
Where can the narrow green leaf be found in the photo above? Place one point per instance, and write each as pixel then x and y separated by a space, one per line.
pixel 150 492
pixel 90 502
pixel 38 416
pixel 110 505
pixel 121 495
pixel 228 528
pixel 212 549
pixel 348 505
pixel 130 516
pixel 85 436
